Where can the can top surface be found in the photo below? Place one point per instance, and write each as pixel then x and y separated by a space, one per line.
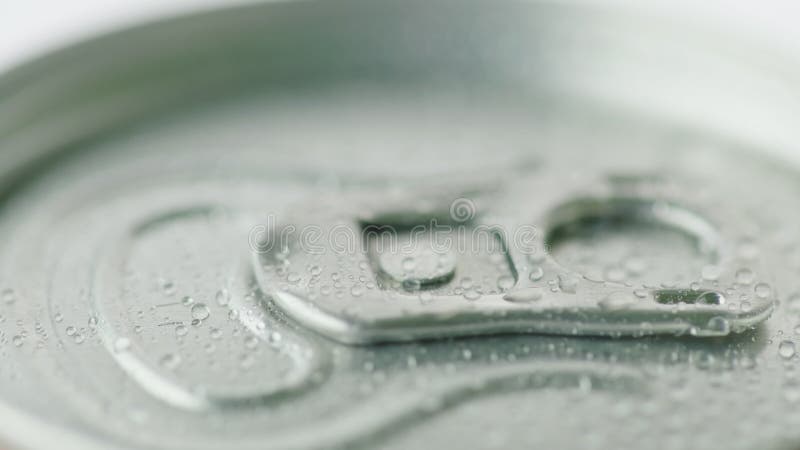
pixel 398 225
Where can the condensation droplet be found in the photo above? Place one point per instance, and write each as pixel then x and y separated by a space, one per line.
pixel 274 338
pixel 472 295
pixel 568 282
pixel 526 295
pixel 786 349
pixel 719 325
pixel 506 282
pixel 357 290
pixel 223 297
pixel 215 333
pixel 411 284
pixel 200 311
pixel 536 273
pixel 763 290
pixel 710 298
pixel 169 288
pixel 170 361
pixel 9 296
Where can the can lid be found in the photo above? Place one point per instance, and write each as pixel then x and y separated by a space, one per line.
pixel 193 235
pixel 409 260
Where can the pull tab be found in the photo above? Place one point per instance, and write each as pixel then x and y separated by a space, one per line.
pixel 394 268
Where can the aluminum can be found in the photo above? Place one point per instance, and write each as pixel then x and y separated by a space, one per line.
pixel 401 224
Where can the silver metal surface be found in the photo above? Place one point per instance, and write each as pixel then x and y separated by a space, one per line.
pixel 532 293
pixel 142 304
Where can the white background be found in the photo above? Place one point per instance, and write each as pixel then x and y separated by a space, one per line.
pixel 31 27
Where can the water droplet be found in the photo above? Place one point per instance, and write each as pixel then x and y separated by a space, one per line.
pixel 274 338
pixel 411 285
pixel 719 325
pixel 200 311
pixel 786 349
pixel 526 295
pixel 472 295
pixel 357 290
pixel 568 282
pixel 506 282
pixel 223 297
pixel 181 330
pixel 536 273
pixel 170 361
pixel 710 298
pixel 425 297
pixel 17 341
pixel 215 333
pixel 763 290
pixel 251 342
pixel 9 296
pixel 187 301
pixel 168 287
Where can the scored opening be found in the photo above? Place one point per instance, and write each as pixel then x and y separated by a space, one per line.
pixel 632 240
